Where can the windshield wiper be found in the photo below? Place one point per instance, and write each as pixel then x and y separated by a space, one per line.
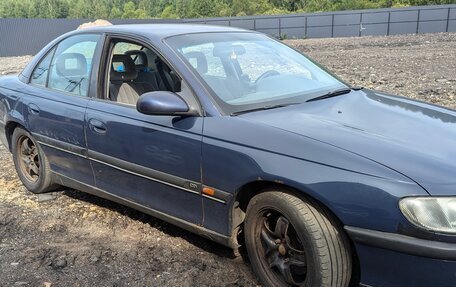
pixel 335 93
pixel 262 109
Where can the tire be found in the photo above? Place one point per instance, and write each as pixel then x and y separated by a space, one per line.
pixel 295 242
pixel 26 153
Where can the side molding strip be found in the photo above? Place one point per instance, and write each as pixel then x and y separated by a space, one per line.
pixel 197 229
pixel 60 145
pixel 216 194
pixel 142 171
pixel 132 168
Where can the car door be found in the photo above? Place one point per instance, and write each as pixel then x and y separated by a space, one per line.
pixel 58 94
pixel 153 161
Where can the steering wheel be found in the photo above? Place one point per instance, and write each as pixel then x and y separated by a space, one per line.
pixel 267 74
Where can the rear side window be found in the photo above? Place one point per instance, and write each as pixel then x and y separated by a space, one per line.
pixel 71 65
pixel 39 75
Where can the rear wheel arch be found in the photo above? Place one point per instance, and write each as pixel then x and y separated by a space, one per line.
pixel 9 130
pixel 31 164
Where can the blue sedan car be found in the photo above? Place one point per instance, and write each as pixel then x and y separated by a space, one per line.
pixel 239 138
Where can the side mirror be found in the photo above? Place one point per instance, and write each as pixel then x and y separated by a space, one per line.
pixel 163 103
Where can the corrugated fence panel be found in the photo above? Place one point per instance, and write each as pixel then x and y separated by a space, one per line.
pixel 243 23
pixel 452 21
pixel 28 36
pixel 20 37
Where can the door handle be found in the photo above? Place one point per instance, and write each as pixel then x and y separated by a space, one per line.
pixel 33 109
pixel 97 126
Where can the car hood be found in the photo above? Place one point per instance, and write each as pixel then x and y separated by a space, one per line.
pixel 413 138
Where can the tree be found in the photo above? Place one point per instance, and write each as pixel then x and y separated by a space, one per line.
pixel 129 10
pixel 169 13
pixel 242 7
pixel 19 10
pixel 356 4
pixel 101 10
pixel 81 9
pixel 185 8
pixel 115 13
pixel 203 8
pixel 181 8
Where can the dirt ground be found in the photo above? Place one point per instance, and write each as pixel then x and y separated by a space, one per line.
pixel 80 240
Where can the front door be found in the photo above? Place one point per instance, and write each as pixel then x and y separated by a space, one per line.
pixel 153 161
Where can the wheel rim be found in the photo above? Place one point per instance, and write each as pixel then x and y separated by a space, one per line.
pixel 280 249
pixel 29 160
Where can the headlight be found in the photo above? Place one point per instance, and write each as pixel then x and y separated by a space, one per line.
pixel 431 213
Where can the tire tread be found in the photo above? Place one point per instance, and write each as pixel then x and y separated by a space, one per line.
pixel 332 246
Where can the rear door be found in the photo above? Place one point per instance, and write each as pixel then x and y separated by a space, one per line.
pixel 55 103
pixel 151 160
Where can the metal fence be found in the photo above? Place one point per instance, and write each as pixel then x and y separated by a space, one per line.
pixel 28 36
pixel 20 37
pixel 392 21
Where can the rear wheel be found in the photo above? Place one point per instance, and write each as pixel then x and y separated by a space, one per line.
pixel 295 242
pixel 31 163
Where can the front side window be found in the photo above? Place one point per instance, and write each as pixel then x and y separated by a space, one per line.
pixel 71 65
pixel 249 70
pixel 136 70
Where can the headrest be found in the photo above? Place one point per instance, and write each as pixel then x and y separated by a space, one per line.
pixel 232 51
pixel 139 57
pixel 151 57
pixel 122 68
pixel 71 65
pixel 160 64
pixel 198 61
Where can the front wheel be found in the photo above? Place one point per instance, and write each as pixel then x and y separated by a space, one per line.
pixel 31 163
pixel 295 242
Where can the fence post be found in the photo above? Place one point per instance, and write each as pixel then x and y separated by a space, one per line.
pixel 448 20
pixel 418 21
pixel 389 23
pixel 280 27
pixel 332 26
pixel 305 27
pixel 360 25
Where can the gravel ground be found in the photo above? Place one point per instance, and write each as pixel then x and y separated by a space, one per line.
pixel 421 67
pixel 80 240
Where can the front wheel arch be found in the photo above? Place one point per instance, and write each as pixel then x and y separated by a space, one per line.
pixel 246 192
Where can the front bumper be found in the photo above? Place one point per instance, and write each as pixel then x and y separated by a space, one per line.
pixel 388 259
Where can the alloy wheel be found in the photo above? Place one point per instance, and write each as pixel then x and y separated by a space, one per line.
pixel 280 249
pixel 29 160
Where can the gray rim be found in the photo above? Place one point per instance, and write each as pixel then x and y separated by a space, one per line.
pixel 280 250
pixel 28 159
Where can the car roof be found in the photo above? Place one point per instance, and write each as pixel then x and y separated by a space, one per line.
pixel 160 31
pixel 154 32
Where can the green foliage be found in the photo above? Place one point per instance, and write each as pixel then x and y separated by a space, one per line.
pixel 169 12
pixel 356 4
pixel 138 9
pixel 115 13
pixel 129 9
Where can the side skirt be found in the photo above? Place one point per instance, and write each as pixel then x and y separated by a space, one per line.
pixel 216 237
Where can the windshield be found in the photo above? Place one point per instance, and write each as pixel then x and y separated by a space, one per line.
pixel 249 71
